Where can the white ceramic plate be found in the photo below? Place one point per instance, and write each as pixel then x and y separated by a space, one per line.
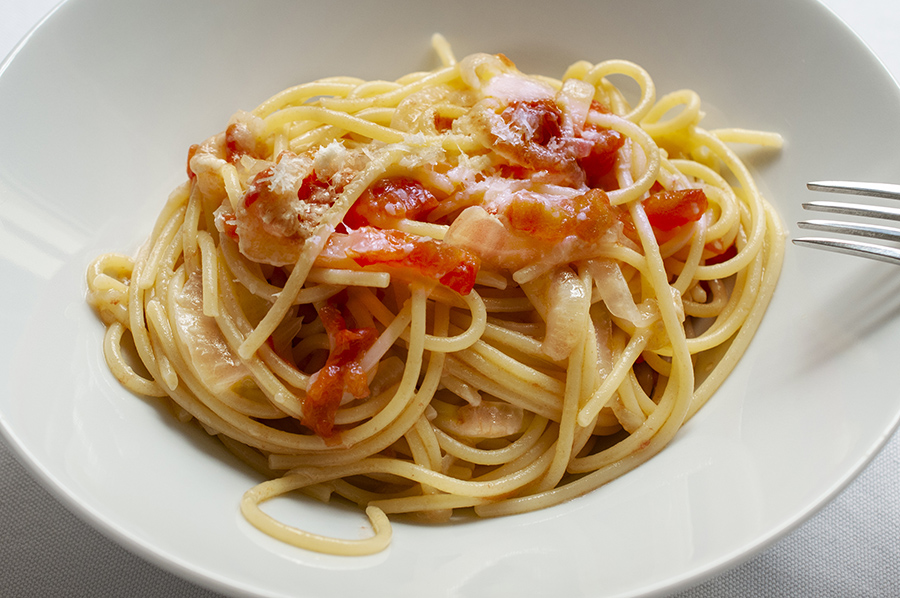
pixel 97 111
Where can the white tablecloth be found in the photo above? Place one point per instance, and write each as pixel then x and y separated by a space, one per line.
pixel 849 549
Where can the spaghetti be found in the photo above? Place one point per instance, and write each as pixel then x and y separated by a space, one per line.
pixel 466 289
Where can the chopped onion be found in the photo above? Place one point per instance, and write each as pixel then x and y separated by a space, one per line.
pixel 210 354
pixel 614 291
pixel 563 302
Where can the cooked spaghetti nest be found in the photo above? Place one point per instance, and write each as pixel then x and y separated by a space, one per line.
pixel 467 289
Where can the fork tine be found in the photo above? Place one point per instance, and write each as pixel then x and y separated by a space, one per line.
pixel 885 190
pixel 890 255
pixel 852 209
pixel 856 248
pixel 872 231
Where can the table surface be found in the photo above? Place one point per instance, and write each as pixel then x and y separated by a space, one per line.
pixel 850 548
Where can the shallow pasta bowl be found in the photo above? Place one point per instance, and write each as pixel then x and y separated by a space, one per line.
pixel 98 109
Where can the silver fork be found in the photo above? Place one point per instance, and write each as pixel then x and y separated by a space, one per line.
pixel 875 251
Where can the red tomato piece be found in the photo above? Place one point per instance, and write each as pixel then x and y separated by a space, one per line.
pixel 535 216
pixel 587 216
pixel 258 187
pixel 720 255
pixel 535 121
pixel 598 165
pixel 342 371
pixel 233 146
pixel 529 134
pixel 240 141
pixel 229 225
pixel 388 201
pixel 668 210
pixel 452 266
pixel 310 184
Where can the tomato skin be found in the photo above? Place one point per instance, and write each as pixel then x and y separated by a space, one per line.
pixel 233 149
pixel 537 218
pixel 587 216
pixel 668 210
pixel 723 255
pixel 259 187
pixel 241 141
pixel 229 226
pixel 342 371
pixel 598 165
pixel 462 277
pixel 388 201
pixel 454 267
pixel 309 186
pixel 534 121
